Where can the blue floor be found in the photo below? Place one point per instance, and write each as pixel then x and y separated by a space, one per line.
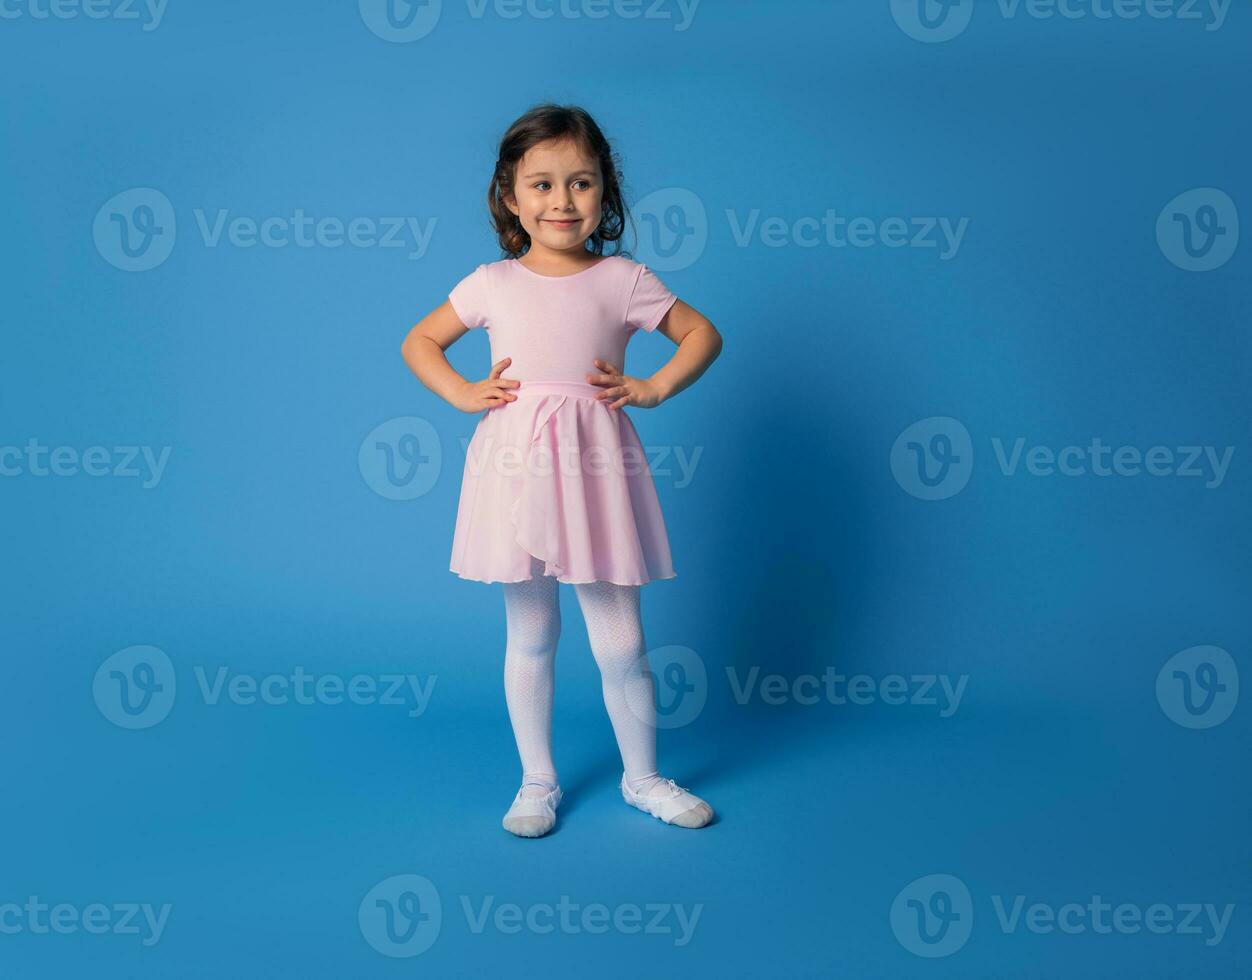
pixel 274 831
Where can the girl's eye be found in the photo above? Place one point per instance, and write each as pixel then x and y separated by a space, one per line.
pixel 544 185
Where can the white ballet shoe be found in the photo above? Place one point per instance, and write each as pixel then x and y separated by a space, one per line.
pixel 677 806
pixel 532 816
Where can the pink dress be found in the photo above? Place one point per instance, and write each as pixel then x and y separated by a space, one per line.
pixel 557 475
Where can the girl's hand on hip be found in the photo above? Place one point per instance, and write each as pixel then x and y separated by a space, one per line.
pixel 623 390
pixel 491 392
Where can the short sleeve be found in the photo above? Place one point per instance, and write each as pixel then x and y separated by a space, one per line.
pixel 469 298
pixel 649 300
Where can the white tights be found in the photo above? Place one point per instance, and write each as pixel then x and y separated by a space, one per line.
pixel 615 632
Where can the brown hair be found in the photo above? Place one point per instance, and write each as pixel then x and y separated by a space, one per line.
pixel 554 122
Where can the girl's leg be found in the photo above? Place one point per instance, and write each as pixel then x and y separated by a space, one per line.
pixel 615 631
pixel 533 620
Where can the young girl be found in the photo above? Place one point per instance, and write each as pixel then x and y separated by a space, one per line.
pixel 556 487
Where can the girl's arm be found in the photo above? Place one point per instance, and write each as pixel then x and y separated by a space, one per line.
pixel 698 342
pixel 423 352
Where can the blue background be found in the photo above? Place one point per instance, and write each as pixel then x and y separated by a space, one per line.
pixel 264 547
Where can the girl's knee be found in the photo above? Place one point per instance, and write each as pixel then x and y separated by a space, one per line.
pixel 620 655
pixel 538 639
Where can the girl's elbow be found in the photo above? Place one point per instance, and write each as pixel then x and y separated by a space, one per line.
pixel 409 345
pixel 716 339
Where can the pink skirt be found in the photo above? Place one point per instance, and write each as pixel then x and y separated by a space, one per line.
pixel 559 476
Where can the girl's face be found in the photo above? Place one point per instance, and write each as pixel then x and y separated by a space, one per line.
pixel 557 195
